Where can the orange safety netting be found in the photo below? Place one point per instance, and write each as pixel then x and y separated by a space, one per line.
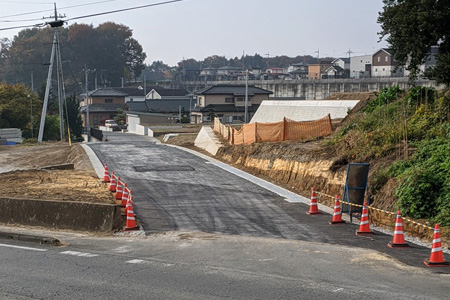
pixel 274 132
pixel 300 130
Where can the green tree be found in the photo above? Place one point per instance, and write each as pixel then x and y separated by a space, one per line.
pixel 16 105
pixel 74 118
pixel 412 27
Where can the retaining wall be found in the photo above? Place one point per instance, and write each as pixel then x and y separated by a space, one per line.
pixel 61 214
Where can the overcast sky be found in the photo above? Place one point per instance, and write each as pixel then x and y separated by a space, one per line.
pixel 200 28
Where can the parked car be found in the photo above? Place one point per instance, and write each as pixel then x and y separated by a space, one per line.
pixel 112 124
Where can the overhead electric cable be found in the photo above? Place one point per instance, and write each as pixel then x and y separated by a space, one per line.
pixel 51 10
pixel 124 9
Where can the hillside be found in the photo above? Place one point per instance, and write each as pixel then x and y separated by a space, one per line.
pixel 403 135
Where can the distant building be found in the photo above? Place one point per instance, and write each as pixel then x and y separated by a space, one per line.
pixel 315 71
pixel 343 62
pixel 360 66
pixel 227 102
pixel 334 72
pixel 384 64
pixel 103 104
pixel 430 61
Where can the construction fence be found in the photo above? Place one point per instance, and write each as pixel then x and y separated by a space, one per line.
pixel 286 130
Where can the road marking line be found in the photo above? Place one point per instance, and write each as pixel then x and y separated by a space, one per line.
pixel 81 254
pixel 136 261
pixel 21 247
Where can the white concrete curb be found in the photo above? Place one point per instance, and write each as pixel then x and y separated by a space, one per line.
pixel 96 163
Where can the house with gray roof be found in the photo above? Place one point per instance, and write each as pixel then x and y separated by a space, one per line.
pixel 227 102
pixel 103 104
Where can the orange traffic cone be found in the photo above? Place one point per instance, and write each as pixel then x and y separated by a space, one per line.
pixel 119 189
pixel 131 221
pixel 337 216
pixel 124 195
pixel 398 241
pixel 437 256
pixel 364 228
pixel 106 174
pixel 313 210
pixel 112 183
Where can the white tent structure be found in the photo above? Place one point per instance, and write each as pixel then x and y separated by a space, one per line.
pixel 271 111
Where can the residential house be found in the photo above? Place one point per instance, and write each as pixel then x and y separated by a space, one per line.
pixel 334 72
pixel 360 66
pixel 103 104
pixel 384 64
pixel 161 93
pixel 430 61
pixel 298 70
pixel 158 111
pixel 133 93
pixel 227 73
pixel 208 74
pixel 343 62
pixel 315 71
pixel 227 102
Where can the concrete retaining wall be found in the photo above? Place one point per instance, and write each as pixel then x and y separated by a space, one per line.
pixel 141 130
pixel 61 214
pixel 207 140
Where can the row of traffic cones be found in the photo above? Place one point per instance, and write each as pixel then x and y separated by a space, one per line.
pixel 124 195
pixel 398 241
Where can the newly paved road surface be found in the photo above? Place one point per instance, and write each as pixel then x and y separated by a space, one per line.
pixel 176 190
pixel 206 266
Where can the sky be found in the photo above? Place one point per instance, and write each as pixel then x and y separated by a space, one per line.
pixel 201 28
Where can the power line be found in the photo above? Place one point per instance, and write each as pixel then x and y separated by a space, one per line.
pixel 50 10
pixel 124 9
pixel 60 22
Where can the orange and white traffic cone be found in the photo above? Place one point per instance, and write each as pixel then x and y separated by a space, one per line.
pixel 398 241
pixel 124 195
pixel 119 189
pixel 106 174
pixel 131 220
pixel 364 228
pixel 337 215
pixel 437 256
pixel 313 209
pixel 112 183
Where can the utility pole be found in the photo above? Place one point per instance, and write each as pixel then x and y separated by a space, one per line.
pixel 246 97
pixel 86 74
pixel 349 52
pixel 47 91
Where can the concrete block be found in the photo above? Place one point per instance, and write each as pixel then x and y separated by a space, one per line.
pixel 61 214
pixel 207 140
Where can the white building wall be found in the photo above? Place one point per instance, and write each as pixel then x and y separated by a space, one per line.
pixel 358 64
pixel 133 121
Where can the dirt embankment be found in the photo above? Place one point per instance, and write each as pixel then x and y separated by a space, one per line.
pixel 25 178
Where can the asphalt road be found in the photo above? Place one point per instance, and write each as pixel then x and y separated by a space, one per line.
pixel 176 190
pixel 207 266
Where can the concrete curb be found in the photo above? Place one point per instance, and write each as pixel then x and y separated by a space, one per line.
pixel 30 238
pixel 96 163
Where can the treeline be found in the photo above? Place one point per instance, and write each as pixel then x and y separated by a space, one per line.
pixel 109 49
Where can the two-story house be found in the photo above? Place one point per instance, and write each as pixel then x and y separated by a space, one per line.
pixel 103 104
pixel 384 64
pixel 361 66
pixel 227 102
pixel 315 71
